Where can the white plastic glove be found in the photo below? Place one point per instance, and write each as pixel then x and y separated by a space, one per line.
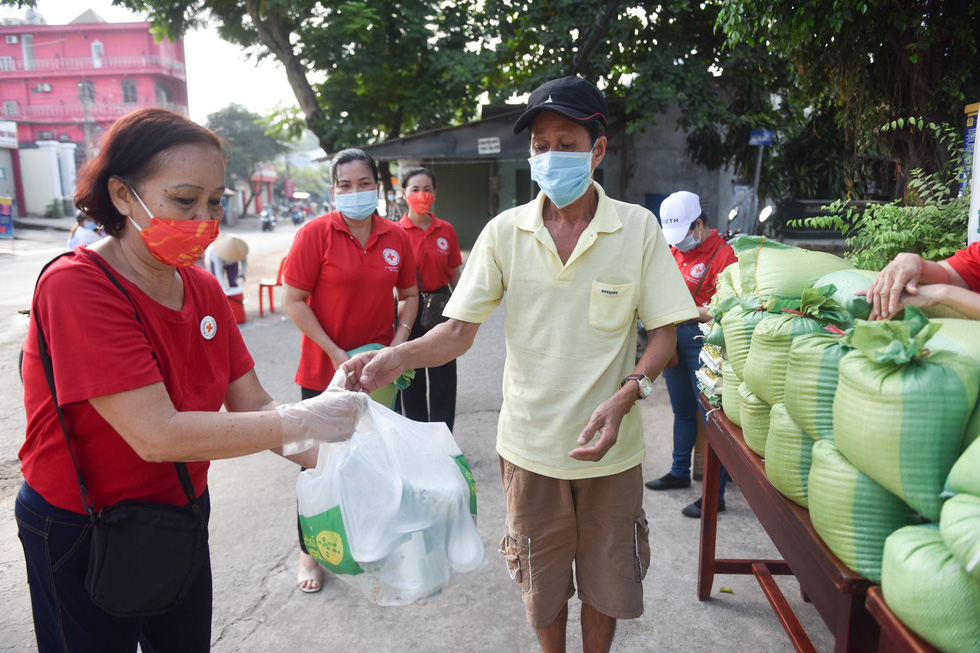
pixel 329 417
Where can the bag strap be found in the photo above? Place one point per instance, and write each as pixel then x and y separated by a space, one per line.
pixel 45 356
pixel 706 268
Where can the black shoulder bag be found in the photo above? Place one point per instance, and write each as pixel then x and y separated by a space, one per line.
pixel 431 305
pixel 144 555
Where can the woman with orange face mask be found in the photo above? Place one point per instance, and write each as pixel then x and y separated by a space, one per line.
pixel 432 395
pixel 131 353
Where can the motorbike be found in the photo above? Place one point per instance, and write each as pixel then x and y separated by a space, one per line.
pixel 298 217
pixel 267 219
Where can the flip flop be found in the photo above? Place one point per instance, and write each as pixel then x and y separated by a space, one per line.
pixel 313 576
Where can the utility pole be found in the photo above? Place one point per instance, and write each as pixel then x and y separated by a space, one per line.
pixel 83 95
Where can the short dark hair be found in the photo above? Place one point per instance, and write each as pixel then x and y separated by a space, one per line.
pixel 131 150
pixel 418 171
pixel 348 156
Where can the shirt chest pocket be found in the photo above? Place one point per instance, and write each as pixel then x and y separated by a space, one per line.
pixel 611 306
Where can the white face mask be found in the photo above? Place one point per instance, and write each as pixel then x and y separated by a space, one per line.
pixel 689 243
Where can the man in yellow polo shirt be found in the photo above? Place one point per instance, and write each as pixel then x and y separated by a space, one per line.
pixel 574 269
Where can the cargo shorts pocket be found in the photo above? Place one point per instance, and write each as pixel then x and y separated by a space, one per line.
pixel 516 549
pixel 641 547
pixel 611 306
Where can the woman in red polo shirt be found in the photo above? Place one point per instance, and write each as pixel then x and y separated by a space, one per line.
pixel 700 254
pixel 144 351
pixel 341 275
pixel 432 395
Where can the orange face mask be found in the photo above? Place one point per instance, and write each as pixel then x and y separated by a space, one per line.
pixel 420 202
pixel 176 242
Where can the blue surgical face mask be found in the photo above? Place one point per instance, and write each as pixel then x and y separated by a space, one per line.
pixel 689 243
pixel 563 176
pixel 357 206
pixel 89 224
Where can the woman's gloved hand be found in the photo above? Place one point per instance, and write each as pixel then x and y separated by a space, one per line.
pixel 329 417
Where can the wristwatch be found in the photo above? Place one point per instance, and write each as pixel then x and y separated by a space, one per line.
pixel 643 382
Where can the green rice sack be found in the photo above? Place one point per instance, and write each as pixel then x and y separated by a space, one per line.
pixel 788 455
pixel 961 337
pixel 847 282
pixel 853 514
pixel 959 525
pixel 738 325
pixel 729 399
pixel 716 336
pixel 900 415
pixel 771 268
pixel 766 364
pixel 965 475
pixel 811 382
pixel 754 415
pixel 929 591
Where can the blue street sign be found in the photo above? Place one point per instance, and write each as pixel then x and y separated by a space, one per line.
pixel 760 137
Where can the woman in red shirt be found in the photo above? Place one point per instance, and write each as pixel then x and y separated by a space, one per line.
pixel 432 395
pixel 341 275
pixel 700 254
pixel 141 370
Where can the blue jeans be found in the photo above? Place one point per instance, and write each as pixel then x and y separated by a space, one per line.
pixel 682 386
pixel 56 545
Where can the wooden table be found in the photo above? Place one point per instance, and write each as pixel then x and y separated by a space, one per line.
pixel 836 592
pixel 895 636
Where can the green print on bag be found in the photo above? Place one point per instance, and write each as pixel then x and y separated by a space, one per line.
pixel 853 514
pixel 788 456
pixel 929 590
pixel 811 382
pixel 766 366
pixel 464 467
pixel 769 268
pixel 729 393
pixel 326 540
pixel 900 411
pixel 754 414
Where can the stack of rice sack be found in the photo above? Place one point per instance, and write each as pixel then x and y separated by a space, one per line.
pixel 765 269
pixel 931 573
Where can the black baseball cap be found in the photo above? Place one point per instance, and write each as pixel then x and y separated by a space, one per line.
pixel 573 98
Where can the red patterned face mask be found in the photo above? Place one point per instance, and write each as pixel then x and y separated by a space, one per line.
pixel 176 242
pixel 420 202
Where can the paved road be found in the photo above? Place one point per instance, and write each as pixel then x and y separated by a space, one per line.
pixel 257 606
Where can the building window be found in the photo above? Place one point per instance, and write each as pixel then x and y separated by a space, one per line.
pixel 6 63
pixel 27 42
pixel 10 108
pixel 129 91
pixel 86 91
pixel 45 136
pixel 97 53
pixel 163 95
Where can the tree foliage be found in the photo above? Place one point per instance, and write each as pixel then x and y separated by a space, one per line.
pixel 246 143
pixel 874 60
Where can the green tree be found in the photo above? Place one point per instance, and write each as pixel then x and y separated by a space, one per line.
pixel 361 71
pixel 246 143
pixel 875 60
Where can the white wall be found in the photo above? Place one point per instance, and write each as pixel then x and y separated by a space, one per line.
pixel 42 179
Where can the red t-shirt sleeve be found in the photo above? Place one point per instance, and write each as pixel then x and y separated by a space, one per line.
pixel 302 269
pixel 97 346
pixel 966 262
pixel 455 258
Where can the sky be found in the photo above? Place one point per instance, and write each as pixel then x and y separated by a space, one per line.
pixel 218 73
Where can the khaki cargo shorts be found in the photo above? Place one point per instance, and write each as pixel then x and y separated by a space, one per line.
pixel 597 523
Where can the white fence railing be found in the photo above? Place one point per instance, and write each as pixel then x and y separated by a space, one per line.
pixel 90 63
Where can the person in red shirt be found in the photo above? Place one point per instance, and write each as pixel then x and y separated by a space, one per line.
pixel 432 395
pixel 700 254
pixel 340 280
pixel 140 370
pixel 909 279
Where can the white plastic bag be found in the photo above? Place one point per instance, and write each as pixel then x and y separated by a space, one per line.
pixel 393 511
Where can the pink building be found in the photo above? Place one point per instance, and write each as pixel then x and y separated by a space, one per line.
pixel 67 83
